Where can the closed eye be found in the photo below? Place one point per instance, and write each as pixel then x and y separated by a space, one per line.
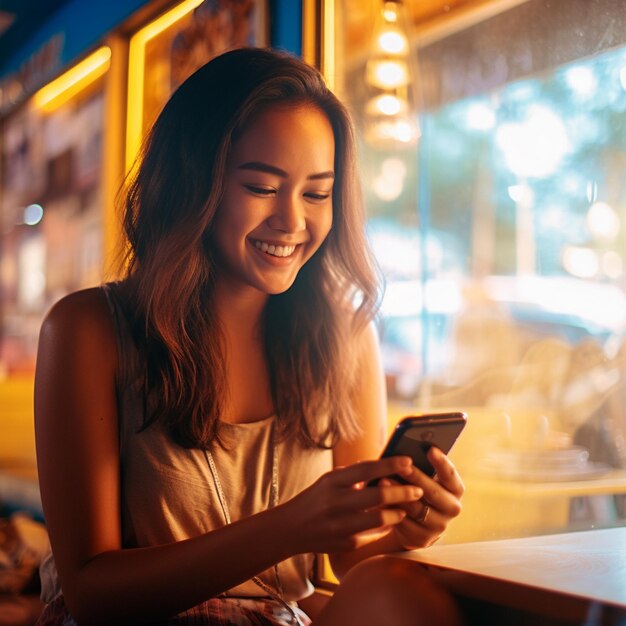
pixel 318 197
pixel 260 191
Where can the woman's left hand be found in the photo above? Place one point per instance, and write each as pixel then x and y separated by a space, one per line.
pixel 429 517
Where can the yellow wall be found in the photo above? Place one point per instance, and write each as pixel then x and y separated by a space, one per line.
pixel 17 440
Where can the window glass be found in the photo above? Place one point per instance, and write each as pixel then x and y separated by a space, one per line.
pixel 502 236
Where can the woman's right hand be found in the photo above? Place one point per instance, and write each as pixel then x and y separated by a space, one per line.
pixel 338 510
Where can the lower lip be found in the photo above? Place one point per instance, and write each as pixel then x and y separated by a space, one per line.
pixel 276 261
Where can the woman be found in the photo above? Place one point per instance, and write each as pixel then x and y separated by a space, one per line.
pixel 203 426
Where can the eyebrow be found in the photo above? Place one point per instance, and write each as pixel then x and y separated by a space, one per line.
pixel 258 166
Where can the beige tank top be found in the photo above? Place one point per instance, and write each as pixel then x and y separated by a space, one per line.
pixel 168 492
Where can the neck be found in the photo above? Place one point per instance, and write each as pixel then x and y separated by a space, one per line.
pixel 239 311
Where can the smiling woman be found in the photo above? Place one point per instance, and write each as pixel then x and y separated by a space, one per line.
pixel 207 424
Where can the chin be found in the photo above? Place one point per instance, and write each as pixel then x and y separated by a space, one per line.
pixel 275 289
pixel 278 290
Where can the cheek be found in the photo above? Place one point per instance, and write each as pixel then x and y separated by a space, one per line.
pixel 232 222
pixel 322 225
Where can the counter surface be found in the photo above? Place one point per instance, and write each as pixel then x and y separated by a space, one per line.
pixel 561 575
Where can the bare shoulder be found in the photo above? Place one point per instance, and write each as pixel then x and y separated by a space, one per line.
pixel 84 305
pixel 80 321
pixel 76 369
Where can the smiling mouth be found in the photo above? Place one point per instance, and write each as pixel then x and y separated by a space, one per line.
pixel 273 250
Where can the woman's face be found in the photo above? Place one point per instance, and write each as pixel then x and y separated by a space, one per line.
pixel 277 206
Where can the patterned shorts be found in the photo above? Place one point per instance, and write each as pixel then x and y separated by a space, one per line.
pixel 215 612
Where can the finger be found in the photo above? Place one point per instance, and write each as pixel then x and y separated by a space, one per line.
pixel 371 520
pixel 415 510
pixel 436 494
pixel 416 535
pixel 427 516
pixel 365 471
pixel 391 495
pixel 447 474
pixel 442 500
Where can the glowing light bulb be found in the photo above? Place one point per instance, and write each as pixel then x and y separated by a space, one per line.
pixel 390 12
pixel 386 104
pixel 392 42
pixel 388 74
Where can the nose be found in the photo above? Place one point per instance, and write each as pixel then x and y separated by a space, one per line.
pixel 288 216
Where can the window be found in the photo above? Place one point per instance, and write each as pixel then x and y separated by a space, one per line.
pixel 502 236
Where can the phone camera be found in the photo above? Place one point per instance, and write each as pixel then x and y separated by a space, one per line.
pixel 427 435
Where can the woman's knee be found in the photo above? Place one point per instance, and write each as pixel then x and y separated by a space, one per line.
pixel 403 589
pixel 387 571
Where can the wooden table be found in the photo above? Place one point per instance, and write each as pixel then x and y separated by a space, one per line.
pixel 575 577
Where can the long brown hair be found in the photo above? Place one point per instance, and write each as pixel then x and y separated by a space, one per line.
pixel 170 206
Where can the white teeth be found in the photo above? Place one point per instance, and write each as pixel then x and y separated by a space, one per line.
pixel 280 251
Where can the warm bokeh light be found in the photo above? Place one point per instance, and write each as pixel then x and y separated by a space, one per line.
pixel 388 185
pixel 393 42
pixel 387 74
pixel 399 130
pixel 392 80
pixel 387 105
pixel 390 13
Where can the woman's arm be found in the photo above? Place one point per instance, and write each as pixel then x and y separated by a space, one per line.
pixel 442 494
pixel 78 460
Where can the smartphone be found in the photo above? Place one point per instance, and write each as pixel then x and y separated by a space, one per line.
pixel 415 435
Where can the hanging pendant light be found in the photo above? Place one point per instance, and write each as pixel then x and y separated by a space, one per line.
pixel 391 77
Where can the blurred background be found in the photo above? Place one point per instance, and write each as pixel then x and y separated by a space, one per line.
pixel 492 146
